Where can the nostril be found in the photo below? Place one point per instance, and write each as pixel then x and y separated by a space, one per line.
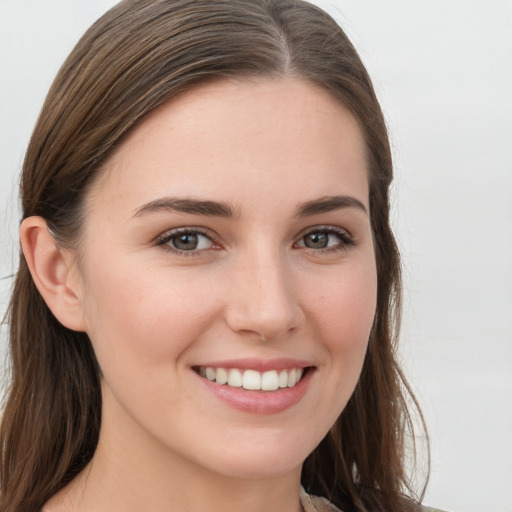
pixel 264 305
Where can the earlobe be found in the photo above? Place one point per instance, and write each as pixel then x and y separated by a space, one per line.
pixel 53 273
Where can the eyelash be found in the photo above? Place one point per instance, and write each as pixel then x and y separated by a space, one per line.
pixel 164 240
pixel 346 240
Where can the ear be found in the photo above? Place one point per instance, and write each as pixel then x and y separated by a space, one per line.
pixel 54 272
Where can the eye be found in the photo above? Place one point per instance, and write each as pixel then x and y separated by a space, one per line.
pixel 328 238
pixel 186 240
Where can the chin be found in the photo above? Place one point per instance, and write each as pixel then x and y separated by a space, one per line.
pixel 258 468
pixel 261 457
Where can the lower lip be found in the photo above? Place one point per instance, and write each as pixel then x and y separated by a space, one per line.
pixel 260 402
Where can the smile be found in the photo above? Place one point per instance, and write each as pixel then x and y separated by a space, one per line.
pixel 252 379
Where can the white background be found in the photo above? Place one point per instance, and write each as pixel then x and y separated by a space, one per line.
pixel 443 72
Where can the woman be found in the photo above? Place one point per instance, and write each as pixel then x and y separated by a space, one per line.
pixel 205 310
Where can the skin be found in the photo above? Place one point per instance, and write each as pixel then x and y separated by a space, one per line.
pixel 253 289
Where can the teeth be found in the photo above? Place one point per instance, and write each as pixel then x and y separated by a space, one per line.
pixel 221 376
pixel 269 381
pixel 283 379
pixel 235 378
pixel 292 380
pixel 252 379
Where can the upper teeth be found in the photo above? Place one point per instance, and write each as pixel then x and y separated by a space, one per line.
pixel 252 379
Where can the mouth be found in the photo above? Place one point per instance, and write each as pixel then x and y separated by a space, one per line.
pixel 253 380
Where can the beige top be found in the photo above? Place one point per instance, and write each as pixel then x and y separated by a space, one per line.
pixel 315 504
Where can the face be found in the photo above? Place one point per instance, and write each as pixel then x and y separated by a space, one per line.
pixel 228 277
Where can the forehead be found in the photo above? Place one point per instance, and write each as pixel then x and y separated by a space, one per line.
pixel 233 139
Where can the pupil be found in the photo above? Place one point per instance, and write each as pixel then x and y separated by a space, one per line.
pixel 316 240
pixel 186 242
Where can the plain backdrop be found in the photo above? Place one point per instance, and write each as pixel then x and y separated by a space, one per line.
pixel 443 72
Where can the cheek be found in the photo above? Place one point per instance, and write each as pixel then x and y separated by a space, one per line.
pixel 344 315
pixel 141 319
pixel 345 308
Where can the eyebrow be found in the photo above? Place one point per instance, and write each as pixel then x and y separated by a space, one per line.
pixel 329 204
pixel 193 206
pixel 223 209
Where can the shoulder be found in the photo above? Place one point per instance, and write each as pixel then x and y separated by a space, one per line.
pixel 317 504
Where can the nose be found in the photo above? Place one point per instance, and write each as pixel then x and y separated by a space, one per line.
pixel 264 299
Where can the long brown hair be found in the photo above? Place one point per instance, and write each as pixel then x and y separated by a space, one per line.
pixel 137 56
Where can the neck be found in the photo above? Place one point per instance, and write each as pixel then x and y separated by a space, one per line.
pixel 133 472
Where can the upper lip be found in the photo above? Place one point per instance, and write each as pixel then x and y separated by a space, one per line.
pixel 261 365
